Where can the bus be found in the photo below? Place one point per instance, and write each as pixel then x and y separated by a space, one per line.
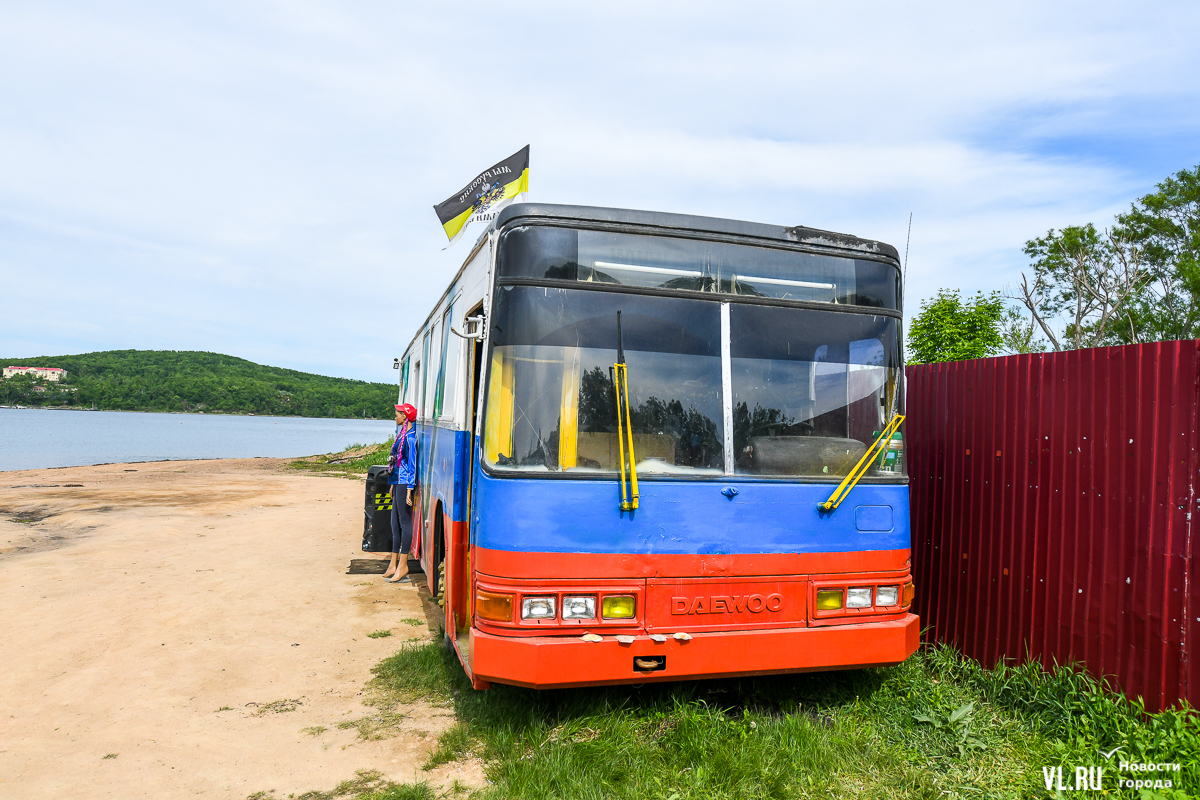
pixel 659 447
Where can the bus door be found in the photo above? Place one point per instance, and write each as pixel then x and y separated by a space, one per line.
pixel 461 583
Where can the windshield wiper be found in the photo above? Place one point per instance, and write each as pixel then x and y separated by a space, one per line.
pixel 629 494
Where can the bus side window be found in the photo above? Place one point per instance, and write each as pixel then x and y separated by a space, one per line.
pixel 448 385
pixel 420 387
pixel 433 372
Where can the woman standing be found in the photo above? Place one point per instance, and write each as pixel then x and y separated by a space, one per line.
pixel 403 474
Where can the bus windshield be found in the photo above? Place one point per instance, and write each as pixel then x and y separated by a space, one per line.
pixel 810 389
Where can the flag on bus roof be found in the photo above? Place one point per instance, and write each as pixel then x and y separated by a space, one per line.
pixel 482 198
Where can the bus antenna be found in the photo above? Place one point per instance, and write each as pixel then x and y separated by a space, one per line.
pixel 907 242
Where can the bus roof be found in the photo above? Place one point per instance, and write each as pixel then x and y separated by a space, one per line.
pixel 702 225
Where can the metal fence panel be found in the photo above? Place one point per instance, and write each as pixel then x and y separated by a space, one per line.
pixel 1053 498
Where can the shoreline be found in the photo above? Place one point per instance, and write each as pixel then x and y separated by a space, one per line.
pixel 73 438
pixel 194 413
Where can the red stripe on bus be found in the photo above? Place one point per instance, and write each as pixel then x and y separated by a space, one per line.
pixel 561 661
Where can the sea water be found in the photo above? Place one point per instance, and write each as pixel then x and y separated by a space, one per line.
pixel 32 438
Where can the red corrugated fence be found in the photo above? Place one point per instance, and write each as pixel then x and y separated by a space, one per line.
pixel 1053 498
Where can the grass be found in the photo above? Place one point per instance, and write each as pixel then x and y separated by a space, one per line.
pixel 352 462
pixel 937 726
pixel 277 707
pixel 365 785
pixel 378 634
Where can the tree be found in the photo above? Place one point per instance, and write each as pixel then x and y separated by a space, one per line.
pixel 1019 333
pixel 1085 278
pixel 947 329
pixel 1166 227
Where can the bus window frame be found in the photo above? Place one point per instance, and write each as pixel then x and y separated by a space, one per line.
pixel 699 236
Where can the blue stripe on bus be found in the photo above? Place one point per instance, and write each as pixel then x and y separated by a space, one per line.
pixel 684 517
pixel 441 467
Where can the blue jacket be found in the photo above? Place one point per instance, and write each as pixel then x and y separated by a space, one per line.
pixel 404 456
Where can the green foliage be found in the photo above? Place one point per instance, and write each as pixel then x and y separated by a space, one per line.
pixel 1166 226
pixel 148 380
pixel 1019 334
pixel 957 724
pixel 937 725
pixel 948 329
pixel 1088 279
pixel 452 746
pixel 1070 707
pixel 353 462
pixel 1138 282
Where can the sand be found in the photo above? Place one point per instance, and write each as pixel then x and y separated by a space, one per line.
pixel 186 628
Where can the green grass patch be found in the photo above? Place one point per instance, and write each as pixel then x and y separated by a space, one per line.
pixel 277 707
pixel 378 634
pixel 353 462
pixel 365 785
pixel 938 725
pixel 452 745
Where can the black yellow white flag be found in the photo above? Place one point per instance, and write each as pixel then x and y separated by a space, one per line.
pixel 482 198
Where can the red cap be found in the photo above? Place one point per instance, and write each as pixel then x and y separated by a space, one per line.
pixel 409 412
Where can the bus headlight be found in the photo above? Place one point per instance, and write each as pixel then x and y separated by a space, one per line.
pixel 537 608
pixel 887 596
pixel 618 606
pixel 576 607
pixel 493 605
pixel 858 597
pixel 829 599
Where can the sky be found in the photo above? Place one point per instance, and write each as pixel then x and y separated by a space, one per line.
pixel 257 178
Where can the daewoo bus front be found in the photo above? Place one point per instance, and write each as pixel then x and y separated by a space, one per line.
pixel 760 368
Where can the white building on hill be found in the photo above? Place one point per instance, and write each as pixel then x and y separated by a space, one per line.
pixel 45 373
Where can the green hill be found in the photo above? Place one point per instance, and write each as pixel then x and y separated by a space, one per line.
pixel 166 380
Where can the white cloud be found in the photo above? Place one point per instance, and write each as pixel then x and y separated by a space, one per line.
pixel 258 179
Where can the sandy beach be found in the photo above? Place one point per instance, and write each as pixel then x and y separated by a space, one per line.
pixel 188 628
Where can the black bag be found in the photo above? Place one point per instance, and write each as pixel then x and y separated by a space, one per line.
pixel 377 510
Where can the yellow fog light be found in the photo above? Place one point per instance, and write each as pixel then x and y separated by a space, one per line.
pixel 829 599
pixel 617 607
pixel 491 605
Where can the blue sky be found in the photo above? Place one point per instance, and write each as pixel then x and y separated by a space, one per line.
pixel 257 178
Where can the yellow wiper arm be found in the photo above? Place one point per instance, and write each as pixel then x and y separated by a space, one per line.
pixel 629 494
pixel 862 466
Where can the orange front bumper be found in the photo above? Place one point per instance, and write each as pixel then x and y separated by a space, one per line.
pixel 558 661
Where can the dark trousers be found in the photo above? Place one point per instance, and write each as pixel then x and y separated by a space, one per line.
pixel 401 521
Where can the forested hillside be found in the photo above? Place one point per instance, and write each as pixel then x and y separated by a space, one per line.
pixel 157 380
